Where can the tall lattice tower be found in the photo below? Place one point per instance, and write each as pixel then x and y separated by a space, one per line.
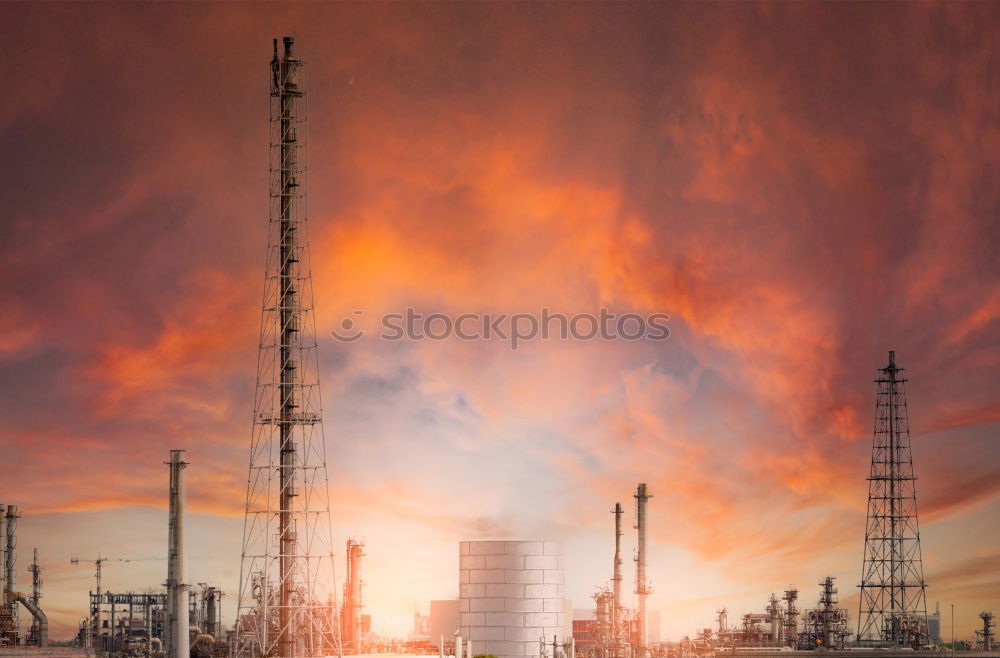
pixel 287 561
pixel 893 609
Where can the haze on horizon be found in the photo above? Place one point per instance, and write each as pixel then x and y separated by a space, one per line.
pixel 802 187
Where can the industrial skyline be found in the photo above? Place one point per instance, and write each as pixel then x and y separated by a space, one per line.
pixel 799 203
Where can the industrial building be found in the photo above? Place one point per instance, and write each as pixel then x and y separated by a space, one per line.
pixel 444 620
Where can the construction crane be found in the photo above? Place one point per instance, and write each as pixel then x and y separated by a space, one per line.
pixel 95 607
pixel 97 562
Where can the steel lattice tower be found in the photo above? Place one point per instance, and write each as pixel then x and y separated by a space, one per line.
pixel 893 608
pixel 287 560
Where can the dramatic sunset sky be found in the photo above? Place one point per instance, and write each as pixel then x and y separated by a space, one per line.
pixel 802 187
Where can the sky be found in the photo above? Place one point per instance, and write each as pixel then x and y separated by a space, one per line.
pixel 800 186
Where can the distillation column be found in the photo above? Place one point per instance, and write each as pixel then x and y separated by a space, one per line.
pixel 791 617
pixel 642 588
pixel 353 603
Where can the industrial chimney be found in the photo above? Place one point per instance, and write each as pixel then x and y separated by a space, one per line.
pixel 11 518
pixel 177 603
pixel 642 588
pixel 3 554
pixel 616 583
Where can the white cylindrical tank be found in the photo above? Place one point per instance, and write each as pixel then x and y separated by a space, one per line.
pixel 510 595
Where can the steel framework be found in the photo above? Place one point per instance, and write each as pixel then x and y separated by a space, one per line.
pixel 287 558
pixel 893 607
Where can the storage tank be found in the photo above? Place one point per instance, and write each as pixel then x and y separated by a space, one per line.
pixel 510 595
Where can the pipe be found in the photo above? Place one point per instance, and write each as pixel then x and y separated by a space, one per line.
pixel 202 638
pixel 155 644
pixel 36 612
pixel 180 640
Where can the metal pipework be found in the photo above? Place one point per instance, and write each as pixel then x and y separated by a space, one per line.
pixel 177 609
pixel 36 612
pixel 642 588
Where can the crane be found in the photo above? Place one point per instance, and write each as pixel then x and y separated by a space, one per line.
pixel 96 605
pixel 97 562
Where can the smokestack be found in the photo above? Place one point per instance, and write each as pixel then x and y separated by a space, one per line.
pixel 177 603
pixel 642 587
pixel 3 555
pixel 616 581
pixel 11 543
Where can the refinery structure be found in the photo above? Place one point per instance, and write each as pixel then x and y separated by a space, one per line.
pixel 512 600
